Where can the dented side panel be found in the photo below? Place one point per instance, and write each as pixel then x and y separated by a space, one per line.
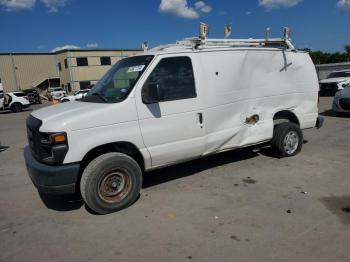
pixel 247 83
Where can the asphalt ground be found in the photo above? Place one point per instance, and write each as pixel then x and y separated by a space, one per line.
pixel 243 205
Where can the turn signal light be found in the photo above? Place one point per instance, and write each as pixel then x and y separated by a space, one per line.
pixel 57 138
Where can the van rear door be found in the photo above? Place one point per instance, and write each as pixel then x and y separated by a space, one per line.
pixel 172 128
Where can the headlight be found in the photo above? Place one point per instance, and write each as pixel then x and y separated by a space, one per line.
pixel 53 148
pixel 343 83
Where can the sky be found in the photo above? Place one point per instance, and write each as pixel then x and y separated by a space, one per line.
pixel 47 25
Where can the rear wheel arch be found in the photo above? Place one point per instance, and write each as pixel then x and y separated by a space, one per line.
pixel 285 116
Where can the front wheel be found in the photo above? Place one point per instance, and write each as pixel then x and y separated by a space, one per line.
pixel 287 139
pixel 111 182
pixel 16 108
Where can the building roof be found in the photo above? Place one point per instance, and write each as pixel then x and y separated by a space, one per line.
pixel 73 50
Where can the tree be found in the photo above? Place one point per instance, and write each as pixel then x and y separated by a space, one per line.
pixel 347 49
pixel 319 57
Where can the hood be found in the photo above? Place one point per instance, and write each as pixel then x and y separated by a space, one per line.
pixel 345 92
pixel 334 80
pixel 76 115
pixel 69 97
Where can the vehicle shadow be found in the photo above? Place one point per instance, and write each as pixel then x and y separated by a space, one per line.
pixel 5 112
pixel 164 175
pixel 62 203
pixel 331 113
pixel 193 167
pixel 3 148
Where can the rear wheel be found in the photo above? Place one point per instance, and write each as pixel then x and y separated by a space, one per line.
pixel 287 139
pixel 111 182
pixel 16 107
pixel 65 100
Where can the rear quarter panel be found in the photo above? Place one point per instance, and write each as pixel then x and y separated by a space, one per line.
pixel 242 83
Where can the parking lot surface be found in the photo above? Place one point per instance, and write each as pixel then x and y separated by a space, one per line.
pixel 243 205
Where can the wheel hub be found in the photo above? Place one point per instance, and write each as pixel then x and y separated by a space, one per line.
pixel 291 142
pixel 114 186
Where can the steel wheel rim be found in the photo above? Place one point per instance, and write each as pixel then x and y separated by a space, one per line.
pixel 114 186
pixel 291 142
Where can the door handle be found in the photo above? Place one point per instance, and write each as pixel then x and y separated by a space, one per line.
pixel 200 119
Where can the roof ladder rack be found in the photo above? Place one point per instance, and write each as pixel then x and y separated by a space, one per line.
pixel 199 43
pixel 202 41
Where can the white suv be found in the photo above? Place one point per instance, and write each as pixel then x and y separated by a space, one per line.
pixel 55 93
pixel 15 101
pixel 78 95
pixel 169 105
pixel 334 82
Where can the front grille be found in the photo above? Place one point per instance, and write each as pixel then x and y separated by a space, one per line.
pixel 344 103
pixel 33 134
pixel 329 87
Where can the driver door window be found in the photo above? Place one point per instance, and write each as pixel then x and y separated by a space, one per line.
pixel 175 78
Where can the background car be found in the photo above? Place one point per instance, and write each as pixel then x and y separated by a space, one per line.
pixel 341 102
pixel 15 101
pixel 334 82
pixel 33 95
pixel 78 95
pixel 1 99
pixel 56 93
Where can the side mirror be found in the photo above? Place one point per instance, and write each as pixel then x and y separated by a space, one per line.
pixel 152 93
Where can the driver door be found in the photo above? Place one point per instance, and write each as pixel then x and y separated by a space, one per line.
pixel 172 128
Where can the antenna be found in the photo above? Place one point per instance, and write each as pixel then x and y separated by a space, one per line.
pixel 286 33
pixel 203 31
pixel 227 31
pixel 267 33
pixel 145 46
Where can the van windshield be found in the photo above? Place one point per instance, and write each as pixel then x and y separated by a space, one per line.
pixel 118 82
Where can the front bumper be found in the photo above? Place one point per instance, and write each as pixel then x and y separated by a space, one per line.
pixel 57 180
pixel 336 107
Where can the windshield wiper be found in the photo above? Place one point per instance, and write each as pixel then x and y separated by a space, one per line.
pixel 102 97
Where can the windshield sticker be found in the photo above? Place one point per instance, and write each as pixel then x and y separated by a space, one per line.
pixel 138 68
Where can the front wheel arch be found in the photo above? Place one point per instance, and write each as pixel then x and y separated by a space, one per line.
pixel 124 147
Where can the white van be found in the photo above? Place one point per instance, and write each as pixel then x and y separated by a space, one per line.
pixel 169 105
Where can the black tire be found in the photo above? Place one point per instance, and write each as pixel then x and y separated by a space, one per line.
pixel 287 146
pixel 65 100
pixel 111 182
pixel 16 108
